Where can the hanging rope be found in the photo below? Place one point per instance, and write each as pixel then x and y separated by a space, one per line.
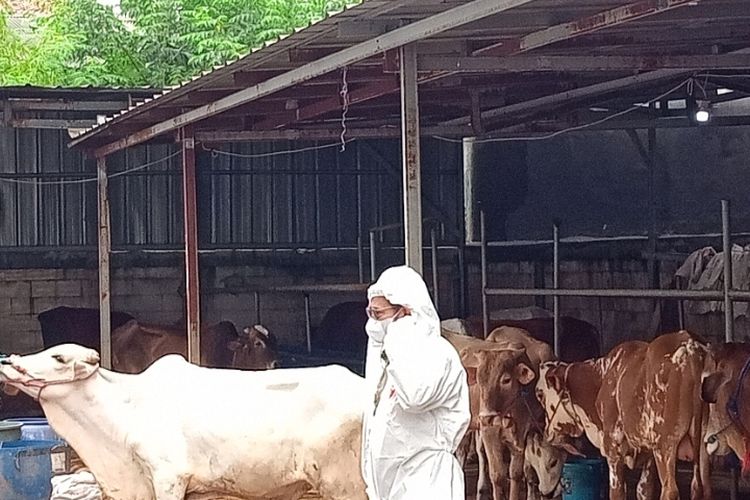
pixel 345 107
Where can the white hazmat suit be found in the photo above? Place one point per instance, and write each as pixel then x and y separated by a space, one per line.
pixel 422 412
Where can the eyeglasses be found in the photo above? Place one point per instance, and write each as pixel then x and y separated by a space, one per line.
pixel 379 313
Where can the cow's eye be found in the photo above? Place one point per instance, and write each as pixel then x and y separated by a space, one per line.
pixel 258 344
pixel 505 380
pixel 58 358
pixel 553 463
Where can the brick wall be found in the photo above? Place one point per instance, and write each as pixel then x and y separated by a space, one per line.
pixel 152 295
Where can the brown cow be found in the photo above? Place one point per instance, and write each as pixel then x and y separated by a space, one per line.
pixel 640 404
pixel 505 414
pixel 135 346
pixel 726 386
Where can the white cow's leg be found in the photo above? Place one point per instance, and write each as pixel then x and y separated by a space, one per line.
pixel 172 488
pixel 616 479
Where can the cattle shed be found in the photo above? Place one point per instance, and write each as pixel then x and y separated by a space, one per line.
pixel 297 192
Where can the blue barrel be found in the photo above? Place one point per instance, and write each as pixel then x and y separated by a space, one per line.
pixel 26 469
pixel 582 478
pixel 35 429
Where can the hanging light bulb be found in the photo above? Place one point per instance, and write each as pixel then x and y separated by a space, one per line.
pixel 702 111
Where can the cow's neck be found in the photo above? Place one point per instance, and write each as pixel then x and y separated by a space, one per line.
pixel 92 415
pixel 584 379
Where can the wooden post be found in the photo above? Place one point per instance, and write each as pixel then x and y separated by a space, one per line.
pixel 105 333
pixel 192 286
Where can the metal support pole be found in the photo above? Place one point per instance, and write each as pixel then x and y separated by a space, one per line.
pixel 192 288
pixel 257 308
pixel 308 326
pixel 373 268
pixel 360 259
pixel 556 285
pixel 727 243
pixel 485 311
pixel 105 245
pixel 435 280
pixel 411 158
pixel 462 280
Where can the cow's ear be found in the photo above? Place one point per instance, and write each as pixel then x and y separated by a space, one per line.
pixel 570 449
pixel 524 374
pixel 83 369
pixel 710 387
pixel 471 373
pixel 234 345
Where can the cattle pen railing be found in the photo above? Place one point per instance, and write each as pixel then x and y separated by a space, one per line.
pixel 728 295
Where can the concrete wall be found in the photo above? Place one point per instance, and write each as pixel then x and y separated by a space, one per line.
pixel 152 294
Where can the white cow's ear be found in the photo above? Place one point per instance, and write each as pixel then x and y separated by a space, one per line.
pixel 83 369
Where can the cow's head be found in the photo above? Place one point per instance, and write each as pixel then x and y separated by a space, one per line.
pixel 552 392
pixel 501 373
pixel 729 401
pixel 254 349
pixel 547 462
pixel 58 365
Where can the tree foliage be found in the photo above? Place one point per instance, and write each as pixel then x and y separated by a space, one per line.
pixel 152 43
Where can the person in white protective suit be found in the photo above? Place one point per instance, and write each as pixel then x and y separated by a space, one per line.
pixel 419 411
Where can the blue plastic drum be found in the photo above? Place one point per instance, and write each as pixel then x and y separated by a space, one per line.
pixel 582 479
pixel 26 468
pixel 35 429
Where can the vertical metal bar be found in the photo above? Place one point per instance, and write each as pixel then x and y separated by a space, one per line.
pixel 192 288
pixel 411 158
pixel 485 311
pixel 308 326
pixel 257 307
pixel 461 280
pixel 680 305
pixel 105 244
pixel 360 259
pixel 435 280
pixel 556 285
pixel 360 253
pixel 727 243
pixel 373 268
pixel 652 241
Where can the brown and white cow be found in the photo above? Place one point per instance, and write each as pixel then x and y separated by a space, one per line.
pixel 640 405
pixel 506 417
pixel 135 346
pixel 726 387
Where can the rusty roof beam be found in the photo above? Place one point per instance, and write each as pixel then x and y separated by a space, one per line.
pixel 537 63
pixel 583 26
pixel 438 23
pixel 319 134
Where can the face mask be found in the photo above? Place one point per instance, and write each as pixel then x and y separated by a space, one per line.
pixel 376 330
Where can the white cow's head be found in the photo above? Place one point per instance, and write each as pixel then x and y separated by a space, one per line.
pixel 54 366
pixel 547 461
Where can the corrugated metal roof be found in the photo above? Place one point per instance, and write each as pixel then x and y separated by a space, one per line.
pixel 545 27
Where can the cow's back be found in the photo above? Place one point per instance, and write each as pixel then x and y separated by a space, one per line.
pixel 343 328
pixel 76 325
pixel 537 350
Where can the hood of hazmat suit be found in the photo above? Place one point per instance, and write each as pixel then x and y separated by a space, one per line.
pixel 419 411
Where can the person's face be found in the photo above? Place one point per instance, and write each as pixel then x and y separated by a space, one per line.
pixel 380 309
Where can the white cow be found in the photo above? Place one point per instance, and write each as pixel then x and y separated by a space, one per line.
pixel 180 431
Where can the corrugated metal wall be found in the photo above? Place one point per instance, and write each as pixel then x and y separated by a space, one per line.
pixel 247 198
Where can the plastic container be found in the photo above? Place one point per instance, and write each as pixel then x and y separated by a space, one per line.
pixel 582 479
pixel 27 467
pixel 10 431
pixel 36 429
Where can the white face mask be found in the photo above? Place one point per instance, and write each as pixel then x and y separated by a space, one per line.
pixel 376 330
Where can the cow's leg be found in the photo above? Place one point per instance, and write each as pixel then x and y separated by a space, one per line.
pixel 464 448
pixel 516 474
pixel 705 472
pixel 616 478
pixel 646 489
pixel 665 464
pixel 532 482
pixel 496 465
pixel 172 488
pixel 484 487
